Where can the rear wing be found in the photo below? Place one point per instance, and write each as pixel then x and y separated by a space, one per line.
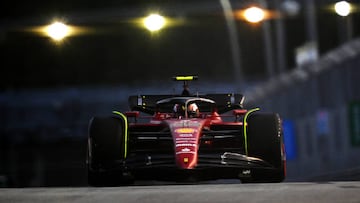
pixel 146 103
pixel 224 102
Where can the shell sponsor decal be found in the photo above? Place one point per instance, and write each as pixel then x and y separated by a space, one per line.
pixel 185 130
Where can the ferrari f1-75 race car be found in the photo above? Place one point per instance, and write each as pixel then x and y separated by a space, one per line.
pixel 185 137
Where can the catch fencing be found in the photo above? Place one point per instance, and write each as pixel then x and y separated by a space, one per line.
pixel 321 103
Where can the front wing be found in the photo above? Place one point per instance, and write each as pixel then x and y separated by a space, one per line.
pixel 210 166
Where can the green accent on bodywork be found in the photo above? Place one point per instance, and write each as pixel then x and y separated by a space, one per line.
pixel 245 128
pixel 126 131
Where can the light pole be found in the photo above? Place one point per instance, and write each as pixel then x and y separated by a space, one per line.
pixel 280 40
pixel 257 15
pixel 343 9
pixel 234 43
pixel 269 56
pixel 285 8
pixel 311 22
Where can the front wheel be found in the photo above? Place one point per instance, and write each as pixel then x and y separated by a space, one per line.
pixel 265 141
pixel 106 150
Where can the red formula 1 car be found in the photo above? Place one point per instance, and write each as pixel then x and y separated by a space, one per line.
pixel 182 137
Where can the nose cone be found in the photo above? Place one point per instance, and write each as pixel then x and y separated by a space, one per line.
pixel 186 161
pixel 186 135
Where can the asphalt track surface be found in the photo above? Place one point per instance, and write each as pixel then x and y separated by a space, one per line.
pixel 210 193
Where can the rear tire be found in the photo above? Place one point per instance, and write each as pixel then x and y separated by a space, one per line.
pixel 106 151
pixel 265 141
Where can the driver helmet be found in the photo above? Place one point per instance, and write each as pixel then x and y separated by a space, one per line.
pixel 193 110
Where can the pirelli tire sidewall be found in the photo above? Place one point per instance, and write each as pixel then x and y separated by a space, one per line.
pixel 265 141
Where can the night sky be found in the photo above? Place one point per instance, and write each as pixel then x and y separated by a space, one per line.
pixel 119 52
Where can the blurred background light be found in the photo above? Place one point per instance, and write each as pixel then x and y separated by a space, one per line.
pixel 254 14
pixel 58 31
pixel 342 8
pixel 154 22
pixel 291 7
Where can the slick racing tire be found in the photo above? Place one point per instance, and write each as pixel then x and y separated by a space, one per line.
pixel 105 151
pixel 265 141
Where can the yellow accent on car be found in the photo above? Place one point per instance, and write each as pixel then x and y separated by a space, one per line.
pixel 185 130
pixel 126 134
pixel 245 128
pixel 184 78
